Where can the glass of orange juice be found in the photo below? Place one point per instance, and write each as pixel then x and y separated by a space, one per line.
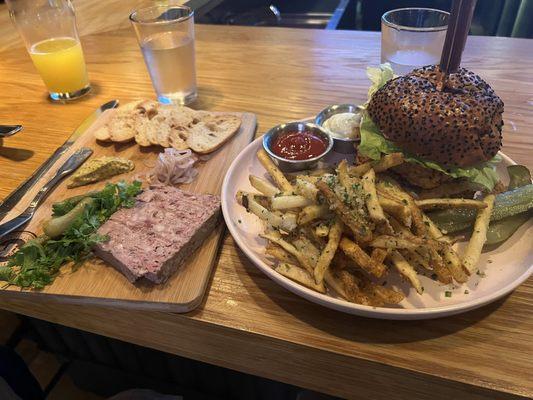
pixel 48 28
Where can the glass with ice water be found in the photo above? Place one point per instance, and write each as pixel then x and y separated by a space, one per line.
pixel 412 37
pixel 166 36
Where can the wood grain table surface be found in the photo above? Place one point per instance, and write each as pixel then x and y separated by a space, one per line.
pixel 247 322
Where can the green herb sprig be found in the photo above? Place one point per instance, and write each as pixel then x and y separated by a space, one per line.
pixel 37 263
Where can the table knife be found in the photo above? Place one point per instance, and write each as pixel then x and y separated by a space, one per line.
pixel 69 166
pixel 11 200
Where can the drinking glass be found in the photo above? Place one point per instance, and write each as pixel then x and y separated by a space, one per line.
pixel 48 29
pixel 412 37
pixel 166 36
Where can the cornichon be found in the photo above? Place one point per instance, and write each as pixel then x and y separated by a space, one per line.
pixel 500 231
pixel 56 226
pixel 509 203
pixel 64 206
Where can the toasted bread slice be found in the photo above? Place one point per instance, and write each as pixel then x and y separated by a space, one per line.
pixel 148 108
pixel 102 134
pixel 177 138
pixel 120 127
pixel 212 131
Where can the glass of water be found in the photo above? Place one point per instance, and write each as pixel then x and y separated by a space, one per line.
pixel 166 35
pixel 412 37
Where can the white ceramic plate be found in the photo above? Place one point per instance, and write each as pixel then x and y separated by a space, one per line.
pixel 500 271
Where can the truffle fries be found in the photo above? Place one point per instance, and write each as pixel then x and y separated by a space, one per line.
pixel 343 231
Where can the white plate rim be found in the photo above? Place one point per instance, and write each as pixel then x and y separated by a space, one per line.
pixel 343 305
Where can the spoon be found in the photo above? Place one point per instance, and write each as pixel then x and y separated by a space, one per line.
pixel 9 130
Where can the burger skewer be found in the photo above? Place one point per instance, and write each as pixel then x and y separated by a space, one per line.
pixel 454 44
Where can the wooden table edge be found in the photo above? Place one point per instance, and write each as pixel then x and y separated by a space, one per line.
pixel 239 349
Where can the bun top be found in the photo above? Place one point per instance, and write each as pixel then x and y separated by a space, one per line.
pixel 460 125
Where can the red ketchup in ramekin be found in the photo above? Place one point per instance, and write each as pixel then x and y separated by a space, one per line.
pixel 297 145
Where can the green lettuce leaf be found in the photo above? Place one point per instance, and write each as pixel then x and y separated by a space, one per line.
pixel 378 76
pixel 373 144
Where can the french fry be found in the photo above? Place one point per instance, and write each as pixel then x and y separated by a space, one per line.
pixel 453 263
pixel 400 229
pixel 309 232
pixel 306 189
pixel 387 295
pixel 303 259
pixel 329 251
pixel 406 270
pixel 419 226
pixel 394 242
pixel 312 212
pixel 443 273
pixel 334 283
pixel 429 204
pixel 363 260
pixel 312 179
pixel 372 203
pixel 345 285
pixel 361 232
pixel 414 258
pixel 364 291
pixel 299 275
pixel 286 222
pixel 360 170
pixel 288 202
pixel 343 172
pixel 307 248
pixel 264 186
pixel 389 188
pixel 356 196
pixel 274 172
pixel 432 229
pixel 383 164
pixel 241 197
pixel 277 252
pixel 396 209
pixel 350 282
pixel 379 255
pixel 479 235
pixel 322 230
pixel 451 259
pixel 388 161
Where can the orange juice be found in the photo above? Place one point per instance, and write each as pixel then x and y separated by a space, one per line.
pixel 61 64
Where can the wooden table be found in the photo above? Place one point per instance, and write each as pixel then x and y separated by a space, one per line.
pixel 246 321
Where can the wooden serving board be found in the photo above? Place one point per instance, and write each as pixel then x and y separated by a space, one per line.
pixel 96 282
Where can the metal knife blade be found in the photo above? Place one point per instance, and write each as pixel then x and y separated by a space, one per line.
pixel 11 200
pixel 68 167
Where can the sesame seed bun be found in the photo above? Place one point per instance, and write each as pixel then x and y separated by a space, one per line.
pixel 459 126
